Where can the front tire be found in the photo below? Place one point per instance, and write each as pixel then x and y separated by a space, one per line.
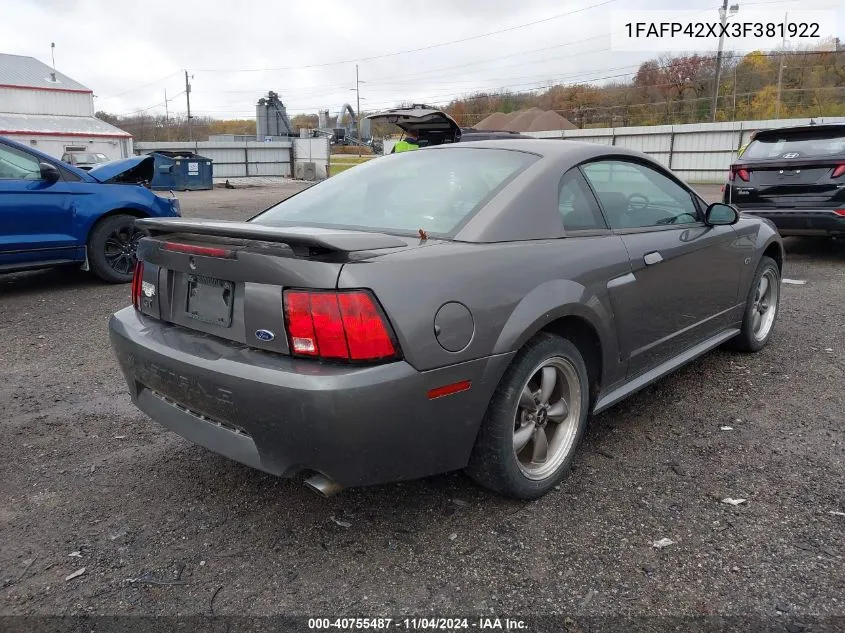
pixel 761 308
pixel 111 248
pixel 534 422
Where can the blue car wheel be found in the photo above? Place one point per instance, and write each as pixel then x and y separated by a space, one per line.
pixel 112 246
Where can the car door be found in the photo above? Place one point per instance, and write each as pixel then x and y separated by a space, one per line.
pixel 684 275
pixel 35 214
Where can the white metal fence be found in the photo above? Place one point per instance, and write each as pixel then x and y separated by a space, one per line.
pixel 252 158
pixel 697 152
pixel 313 150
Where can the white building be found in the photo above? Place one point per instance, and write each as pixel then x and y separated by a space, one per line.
pixel 52 112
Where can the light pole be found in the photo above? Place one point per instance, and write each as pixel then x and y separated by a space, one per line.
pixel 724 14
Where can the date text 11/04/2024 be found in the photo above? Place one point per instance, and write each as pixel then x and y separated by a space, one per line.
pixel 417 624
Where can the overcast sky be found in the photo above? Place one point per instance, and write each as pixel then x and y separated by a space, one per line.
pixel 129 53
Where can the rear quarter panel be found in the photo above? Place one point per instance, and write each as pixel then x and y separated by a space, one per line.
pixel 511 289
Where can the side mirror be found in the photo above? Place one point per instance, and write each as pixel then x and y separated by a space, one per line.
pixel 49 172
pixel 720 214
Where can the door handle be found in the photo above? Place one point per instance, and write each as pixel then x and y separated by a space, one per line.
pixel 652 258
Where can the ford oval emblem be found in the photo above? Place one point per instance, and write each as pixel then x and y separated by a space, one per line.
pixel 264 335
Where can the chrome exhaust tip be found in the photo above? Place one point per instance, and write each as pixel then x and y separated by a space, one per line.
pixel 322 485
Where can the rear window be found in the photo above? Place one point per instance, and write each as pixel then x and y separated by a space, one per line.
pixel 78 158
pixel 809 144
pixel 434 190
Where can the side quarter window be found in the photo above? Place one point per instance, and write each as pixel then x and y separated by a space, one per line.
pixel 68 176
pixel 18 165
pixel 577 205
pixel 636 196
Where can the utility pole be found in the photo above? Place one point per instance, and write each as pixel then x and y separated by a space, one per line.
pixel 358 98
pixel 166 111
pixel 188 99
pixel 780 69
pixel 723 18
pixel 733 118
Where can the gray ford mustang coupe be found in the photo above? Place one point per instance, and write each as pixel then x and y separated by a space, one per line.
pixel 464 306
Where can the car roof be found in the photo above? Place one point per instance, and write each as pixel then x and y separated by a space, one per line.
pixel 838 128
pixel 536 186
pixel 574 151
pixel 469 132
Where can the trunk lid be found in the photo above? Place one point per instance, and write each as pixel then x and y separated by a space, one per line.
pixel 791 168
pixel 226 278
pixel 790 183
pixel 432 125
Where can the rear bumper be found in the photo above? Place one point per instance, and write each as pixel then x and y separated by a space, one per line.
pixel 356 425
pixel 801 222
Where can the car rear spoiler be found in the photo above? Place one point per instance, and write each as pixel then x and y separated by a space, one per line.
pixel 297 237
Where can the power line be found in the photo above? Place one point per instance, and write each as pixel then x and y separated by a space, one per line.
pixel 536 50
pixel 131 112
pixel 466 39
pixel 414 50
pixel 126 92
pixel 316 91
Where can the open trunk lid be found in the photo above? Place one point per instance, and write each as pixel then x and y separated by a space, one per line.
pixel 427 123
pixel 226 278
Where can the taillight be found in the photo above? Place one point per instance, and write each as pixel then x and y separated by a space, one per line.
pixel 345 325
pixel 741 173
pixel 838 171
pixel 840 212
pixel 137 280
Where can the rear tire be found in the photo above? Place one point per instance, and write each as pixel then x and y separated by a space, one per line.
pixel 534 422
pixel 761 308
pixel 111 248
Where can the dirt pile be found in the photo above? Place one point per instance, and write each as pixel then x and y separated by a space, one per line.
pixel 530 120
pixel 493 122
pixel 550 120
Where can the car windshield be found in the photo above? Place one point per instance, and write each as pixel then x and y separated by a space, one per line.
pixel 88 158
pixel 809 144
pixel 433 190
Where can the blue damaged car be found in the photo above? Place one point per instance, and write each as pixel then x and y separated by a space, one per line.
pixel 52 213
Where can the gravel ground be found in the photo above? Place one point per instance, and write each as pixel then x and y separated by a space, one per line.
pixel 164 527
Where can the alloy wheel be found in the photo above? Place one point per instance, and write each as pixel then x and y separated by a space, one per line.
pixel 119 248
pixel 765 305
pixel 547 418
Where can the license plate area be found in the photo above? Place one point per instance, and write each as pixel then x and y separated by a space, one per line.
pixel 210 300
